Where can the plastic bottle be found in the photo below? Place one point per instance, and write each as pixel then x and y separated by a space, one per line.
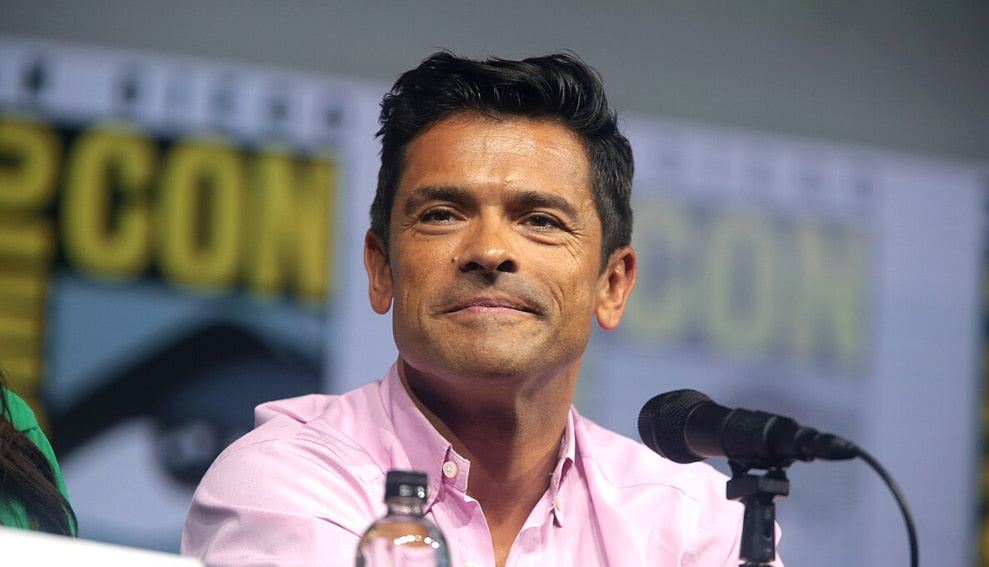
pixel 403 537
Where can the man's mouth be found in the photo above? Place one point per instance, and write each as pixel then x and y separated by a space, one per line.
pixel 491 305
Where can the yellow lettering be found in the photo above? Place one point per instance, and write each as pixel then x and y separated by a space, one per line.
pixel 831 294
pixel 26 250
pixel 747 285
pixel 288 236
pixel 29 156
pixel 200 215
pixel 21 293
pixel 25 239
pixel 659 307
pixel 741 270
pixel 106 221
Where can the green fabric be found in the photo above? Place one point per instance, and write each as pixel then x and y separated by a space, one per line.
pixel 22 416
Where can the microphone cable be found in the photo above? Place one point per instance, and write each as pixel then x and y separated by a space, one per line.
pixel 901 501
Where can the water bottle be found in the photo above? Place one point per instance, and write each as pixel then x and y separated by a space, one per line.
pixel 403 537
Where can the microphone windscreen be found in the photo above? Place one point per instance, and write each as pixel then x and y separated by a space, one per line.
pixel 663 424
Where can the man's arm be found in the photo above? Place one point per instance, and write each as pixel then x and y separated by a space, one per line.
pixel 279 502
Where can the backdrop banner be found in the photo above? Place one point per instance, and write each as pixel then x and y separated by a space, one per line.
pixel 833 284
pixel 168 234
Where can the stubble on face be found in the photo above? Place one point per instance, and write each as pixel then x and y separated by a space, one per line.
pixel 494 255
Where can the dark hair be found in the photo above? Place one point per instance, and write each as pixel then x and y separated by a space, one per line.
pixel 558 87
pixel 27 477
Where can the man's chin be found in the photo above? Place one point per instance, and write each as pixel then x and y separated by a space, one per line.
pixel 471 363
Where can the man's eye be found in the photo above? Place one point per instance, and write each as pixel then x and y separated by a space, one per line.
pixel 437 216
pixel 542 221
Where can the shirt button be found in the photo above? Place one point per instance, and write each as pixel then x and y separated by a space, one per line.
pixel 449 469
pixel 472 564
pixel 558 504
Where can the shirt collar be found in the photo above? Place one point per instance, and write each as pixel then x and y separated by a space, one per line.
pixel 430 452
pixel 424 448
pixel 568 451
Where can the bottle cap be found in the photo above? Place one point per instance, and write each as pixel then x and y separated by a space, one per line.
pixel 406 483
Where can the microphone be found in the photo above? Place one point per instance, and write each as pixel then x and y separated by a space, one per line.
pixel 687 426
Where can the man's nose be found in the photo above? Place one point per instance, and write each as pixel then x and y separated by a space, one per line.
pixel 486 248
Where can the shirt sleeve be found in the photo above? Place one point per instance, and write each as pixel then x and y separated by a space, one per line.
pixel 279 502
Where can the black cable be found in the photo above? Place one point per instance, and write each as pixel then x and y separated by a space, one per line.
pixel 900 501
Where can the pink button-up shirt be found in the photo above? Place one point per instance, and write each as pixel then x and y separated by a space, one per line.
pixel 303 486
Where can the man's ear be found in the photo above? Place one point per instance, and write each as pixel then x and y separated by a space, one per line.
pixel 379 280
pixel 614 287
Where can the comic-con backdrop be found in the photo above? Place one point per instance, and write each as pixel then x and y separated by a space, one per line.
pixel 180 240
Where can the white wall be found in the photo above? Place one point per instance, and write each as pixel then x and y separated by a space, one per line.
pixel 908 75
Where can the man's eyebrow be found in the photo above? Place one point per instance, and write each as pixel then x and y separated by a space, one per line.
pixel 518 200
pixel 541 199
pixel 434 193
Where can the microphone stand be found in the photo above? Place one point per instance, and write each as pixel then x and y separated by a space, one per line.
pixel 757 493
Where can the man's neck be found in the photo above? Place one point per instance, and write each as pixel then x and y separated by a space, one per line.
pixel 510 432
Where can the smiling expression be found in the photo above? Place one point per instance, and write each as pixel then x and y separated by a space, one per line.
pixel 494 258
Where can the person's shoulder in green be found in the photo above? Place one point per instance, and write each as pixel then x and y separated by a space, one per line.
pixel 32 490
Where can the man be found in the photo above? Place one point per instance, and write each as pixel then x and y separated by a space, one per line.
pixel 500 231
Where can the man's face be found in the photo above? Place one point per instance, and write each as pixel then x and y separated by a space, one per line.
pixel 494 259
